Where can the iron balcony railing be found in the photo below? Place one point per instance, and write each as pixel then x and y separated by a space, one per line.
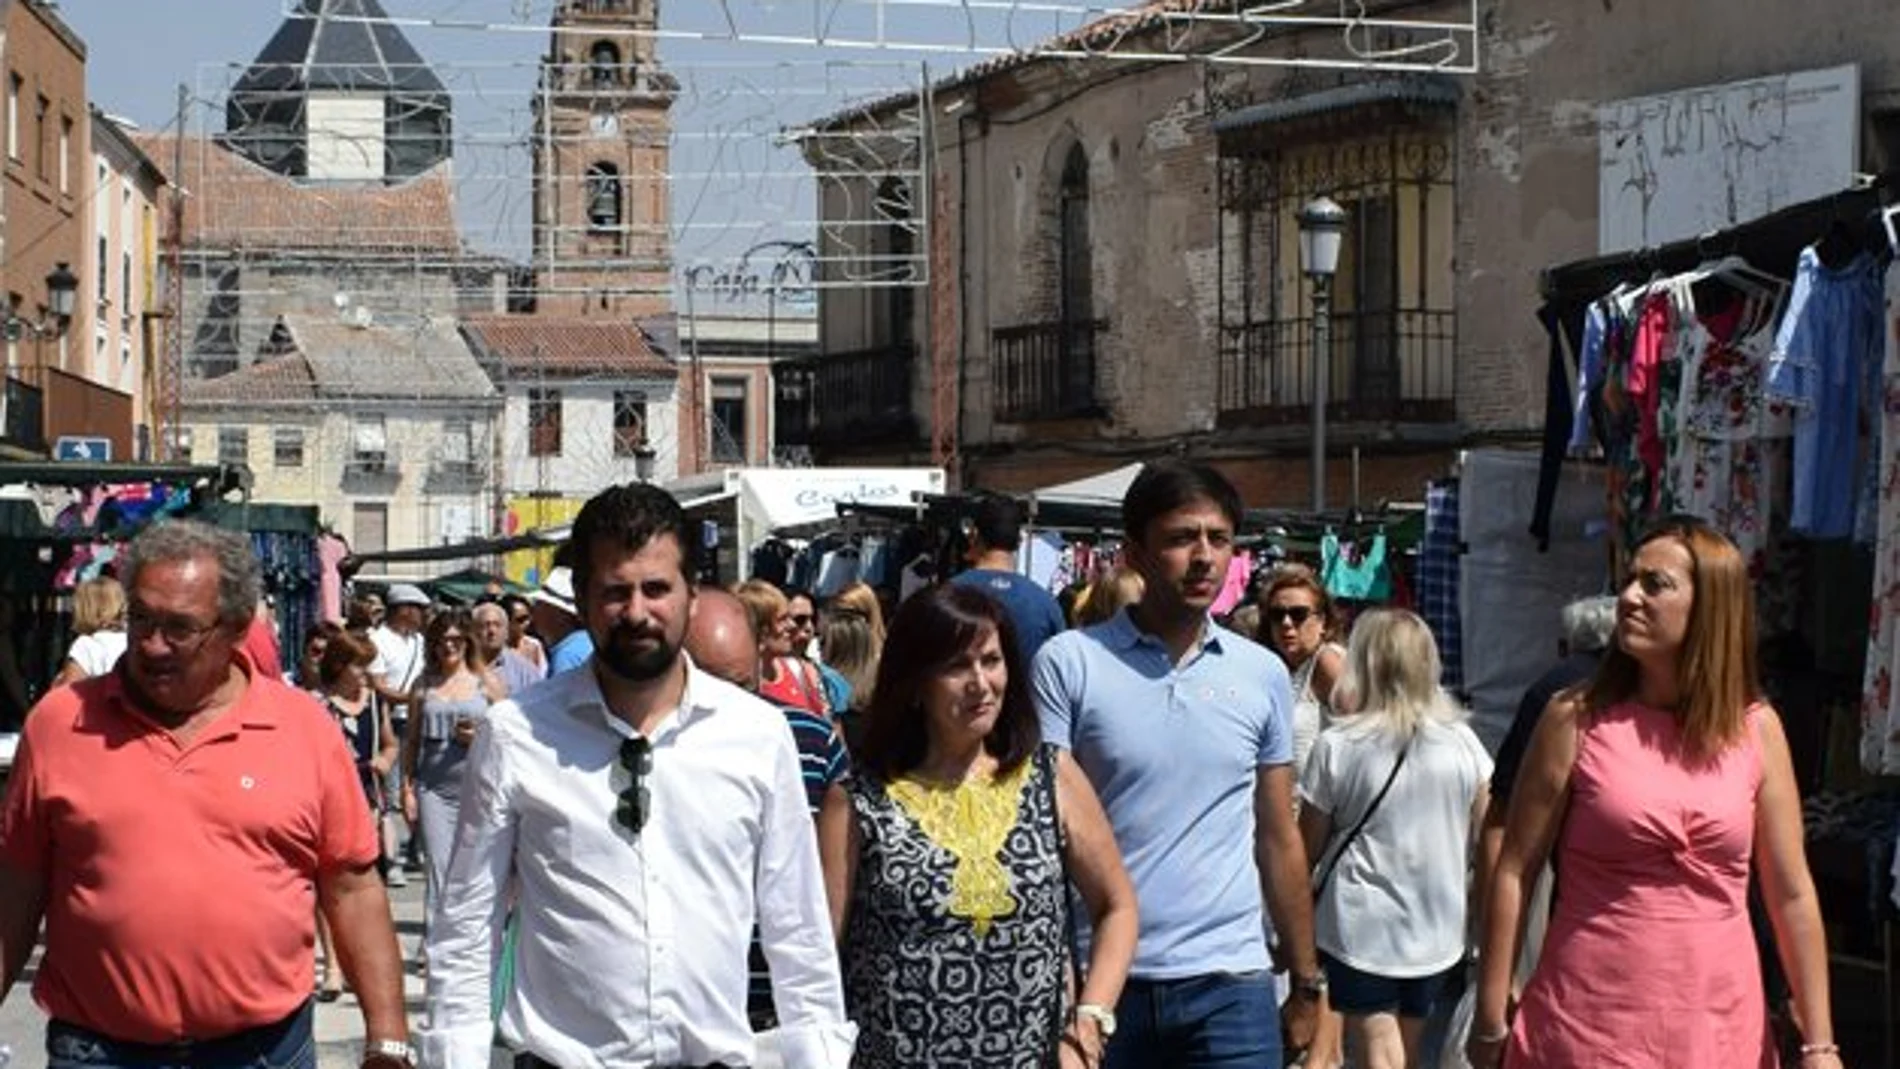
pixel 1393 366
pixel 835 399
pixel 1046 370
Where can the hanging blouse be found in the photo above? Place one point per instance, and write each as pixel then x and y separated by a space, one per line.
pixel 1596 328
pixel 1830 334
pixel 1643 383
pixel 1365 579
pixel 1735 438
pixel 1880 714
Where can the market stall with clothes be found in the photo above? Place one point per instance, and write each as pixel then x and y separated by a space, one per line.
pixel 1747 378
pixel 1073 539
pixel 63 524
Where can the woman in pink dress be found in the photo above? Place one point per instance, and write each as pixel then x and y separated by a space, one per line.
pixel 1658 783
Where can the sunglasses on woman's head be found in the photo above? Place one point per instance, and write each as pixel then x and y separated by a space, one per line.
pixel 636 756
pixel 1298 614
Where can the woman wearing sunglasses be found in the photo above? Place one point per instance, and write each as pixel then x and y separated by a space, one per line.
pixel 948 860
pixel 1297 623
pixel 453 694
pixel 524 645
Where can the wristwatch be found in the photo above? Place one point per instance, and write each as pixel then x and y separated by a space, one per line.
pixel 1103 1017
pixel 389 1050
pixel 1313 987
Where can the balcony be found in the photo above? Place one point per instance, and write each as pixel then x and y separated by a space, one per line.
pixel 1046 371
pixel 23 416
pixel 452 476
pixel 1385 367
pixel 372 470
pixel 860 398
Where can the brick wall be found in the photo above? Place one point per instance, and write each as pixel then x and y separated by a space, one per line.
pixel 46 223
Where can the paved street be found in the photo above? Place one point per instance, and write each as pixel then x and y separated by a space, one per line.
pixel 339 1024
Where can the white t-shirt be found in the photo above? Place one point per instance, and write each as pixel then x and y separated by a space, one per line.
pixel 1395 905
pixel 98 652
pixel 399 658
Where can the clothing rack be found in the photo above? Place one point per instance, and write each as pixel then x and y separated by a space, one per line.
pixel 1772 242
pixel 1404 524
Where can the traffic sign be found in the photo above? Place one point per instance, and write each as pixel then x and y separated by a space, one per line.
pixel 96 450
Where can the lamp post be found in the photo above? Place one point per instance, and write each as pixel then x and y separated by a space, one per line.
pixel 1322 226
pixel 62 291
pixel 643 457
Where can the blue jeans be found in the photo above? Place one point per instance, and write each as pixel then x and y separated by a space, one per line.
pixel 289 1044
pixel 1218 1021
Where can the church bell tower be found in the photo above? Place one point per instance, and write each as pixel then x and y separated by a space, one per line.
pixel 602 130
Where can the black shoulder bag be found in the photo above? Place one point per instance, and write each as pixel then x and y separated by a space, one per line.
pixel 1319 885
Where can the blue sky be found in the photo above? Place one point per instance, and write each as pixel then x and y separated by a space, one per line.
pixel 735 187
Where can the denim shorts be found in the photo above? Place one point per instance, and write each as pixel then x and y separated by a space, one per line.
pixel 1362 993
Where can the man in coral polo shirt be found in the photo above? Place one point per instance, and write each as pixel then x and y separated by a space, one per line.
pixel 176 823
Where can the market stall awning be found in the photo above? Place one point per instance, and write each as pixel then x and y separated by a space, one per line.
pixel 1107 488
pixel 779 498
pixel 480 547
pixel 469 585
pixel 220 478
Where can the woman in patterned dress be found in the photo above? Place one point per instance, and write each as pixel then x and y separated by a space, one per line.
pixel 948 859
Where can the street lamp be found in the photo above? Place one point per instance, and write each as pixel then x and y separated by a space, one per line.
pixel 1322 227
pixel 62 290
pixel 643 463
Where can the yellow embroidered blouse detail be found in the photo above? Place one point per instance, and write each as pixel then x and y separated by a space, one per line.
pixel 970 822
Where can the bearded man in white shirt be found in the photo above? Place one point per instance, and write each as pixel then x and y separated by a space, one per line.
pixel 638 815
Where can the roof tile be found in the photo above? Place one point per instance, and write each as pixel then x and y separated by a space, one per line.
pixel 281 379
pixel 566 345
pixel 232 203
pixel 330 360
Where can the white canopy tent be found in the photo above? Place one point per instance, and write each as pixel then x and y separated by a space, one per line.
pixel 773 499
pixel 1107 488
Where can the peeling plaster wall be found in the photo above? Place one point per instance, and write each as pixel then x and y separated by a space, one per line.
pixel 1528 144
pixel 1153 222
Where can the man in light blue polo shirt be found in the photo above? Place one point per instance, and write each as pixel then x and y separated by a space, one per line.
pixel 1184 728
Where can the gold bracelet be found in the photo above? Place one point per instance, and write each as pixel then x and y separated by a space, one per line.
pixel 1819 1048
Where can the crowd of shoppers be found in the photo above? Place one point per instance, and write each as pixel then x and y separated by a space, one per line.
pixel 672 825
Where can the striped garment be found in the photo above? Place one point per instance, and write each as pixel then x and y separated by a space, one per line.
pixel 821 756
pixel 822 761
